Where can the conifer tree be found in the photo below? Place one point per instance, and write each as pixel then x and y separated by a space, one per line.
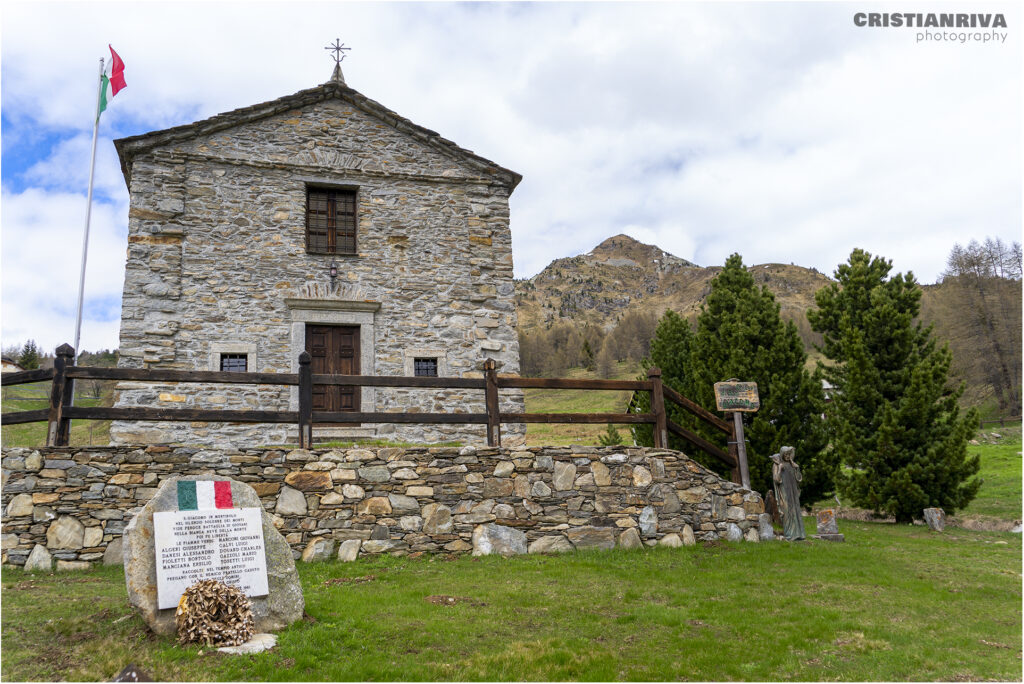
pixel 741 335
pixel 29 359
pixel 894 422
pixel 611 437
pixel 588 355
pixel 670 351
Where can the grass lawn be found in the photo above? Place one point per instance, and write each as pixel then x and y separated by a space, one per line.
pixel 36 396
pixel 892 603
pixel 577 401
pixel 1000 493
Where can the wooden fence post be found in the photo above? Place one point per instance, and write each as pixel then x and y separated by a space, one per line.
pixel 491 403
pixel 305 401
pixel 733 443
pixel 58 432
pixel 658 408
pixel 741 449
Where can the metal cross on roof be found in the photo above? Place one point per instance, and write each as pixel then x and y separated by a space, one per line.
pixel 338 49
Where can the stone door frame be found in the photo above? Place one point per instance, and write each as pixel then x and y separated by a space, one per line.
pixel 335 312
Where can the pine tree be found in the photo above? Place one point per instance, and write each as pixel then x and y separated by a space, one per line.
pixel 29 359
pixel 588 355
pixel 741 335
pixel 611 436
pixel 670 351
pixel 894 422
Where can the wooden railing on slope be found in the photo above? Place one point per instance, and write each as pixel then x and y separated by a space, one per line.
pixel 63 376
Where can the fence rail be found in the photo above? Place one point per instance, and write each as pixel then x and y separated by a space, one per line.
pixel 1002 421
pixel 63 376
pixel 22 377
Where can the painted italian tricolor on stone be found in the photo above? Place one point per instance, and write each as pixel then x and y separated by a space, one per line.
pixel 202 495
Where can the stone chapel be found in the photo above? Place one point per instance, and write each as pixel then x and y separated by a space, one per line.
pixel 236 223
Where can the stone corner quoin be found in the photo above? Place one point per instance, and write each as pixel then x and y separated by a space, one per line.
pixel 343 503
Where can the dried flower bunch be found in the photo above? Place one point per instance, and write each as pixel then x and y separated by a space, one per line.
pixel 215 614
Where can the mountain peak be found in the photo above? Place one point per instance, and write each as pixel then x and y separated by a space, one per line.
pixel 622 250
pixel 622 273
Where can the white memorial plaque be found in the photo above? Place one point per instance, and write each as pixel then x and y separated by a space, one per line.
pixel 221 544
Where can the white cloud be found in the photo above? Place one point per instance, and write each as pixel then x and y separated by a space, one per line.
pixel 67 168
pixel 779 130
pixel 42 251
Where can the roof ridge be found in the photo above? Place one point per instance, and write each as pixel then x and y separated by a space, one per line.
pixel 128 147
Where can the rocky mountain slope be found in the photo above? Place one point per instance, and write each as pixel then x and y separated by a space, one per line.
pixel 622 273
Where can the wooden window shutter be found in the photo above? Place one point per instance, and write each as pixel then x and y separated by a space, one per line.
pixel 330 221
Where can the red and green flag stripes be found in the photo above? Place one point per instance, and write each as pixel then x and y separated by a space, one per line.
pixel 116 79
pixel 202 495
pixel 116 73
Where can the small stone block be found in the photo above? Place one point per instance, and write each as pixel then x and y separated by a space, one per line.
pixel 671 540
pixel 71 566
pixel 349 550
pixel 258 643
pixel 936 519
pixel 39 560
pixel 827 521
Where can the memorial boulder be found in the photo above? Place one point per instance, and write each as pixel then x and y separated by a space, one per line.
pixel 206 527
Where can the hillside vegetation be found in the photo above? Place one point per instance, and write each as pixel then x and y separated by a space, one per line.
pixel 622 275
pixel 618 291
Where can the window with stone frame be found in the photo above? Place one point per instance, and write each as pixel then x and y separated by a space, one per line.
pixel 234 363
pixel 330 220
pixel 425 368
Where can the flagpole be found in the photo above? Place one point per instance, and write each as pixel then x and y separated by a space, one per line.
pixel 88 212
pixel 85 238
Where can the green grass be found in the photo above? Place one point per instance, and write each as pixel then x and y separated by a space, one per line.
pixel 577 401
pixel 1000 493
pixel 892 603
pixel 35 395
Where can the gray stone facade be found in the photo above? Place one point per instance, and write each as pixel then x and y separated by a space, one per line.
pixel 217 263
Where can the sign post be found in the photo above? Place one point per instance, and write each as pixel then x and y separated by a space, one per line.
pixel 741 448
pixel 738 398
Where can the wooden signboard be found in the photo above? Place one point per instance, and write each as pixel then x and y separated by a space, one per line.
pixel 737 396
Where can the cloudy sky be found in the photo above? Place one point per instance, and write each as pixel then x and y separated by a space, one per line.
pixel 782 131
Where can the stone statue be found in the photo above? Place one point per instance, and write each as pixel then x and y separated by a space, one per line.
pixel 786 475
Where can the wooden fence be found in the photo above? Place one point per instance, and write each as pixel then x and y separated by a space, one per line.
pixel 1002 421
pixel 63 376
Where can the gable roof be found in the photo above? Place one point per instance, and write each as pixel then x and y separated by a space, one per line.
pixel 128 148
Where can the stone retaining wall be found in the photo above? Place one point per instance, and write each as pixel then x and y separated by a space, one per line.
pixel 76 502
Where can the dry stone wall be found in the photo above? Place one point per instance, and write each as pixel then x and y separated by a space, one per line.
pixel 217 263
pixel 75 503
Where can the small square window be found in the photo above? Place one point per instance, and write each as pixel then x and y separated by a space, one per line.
pixel 234 363
pixel 425 368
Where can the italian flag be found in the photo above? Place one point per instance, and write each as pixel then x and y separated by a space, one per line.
pixel 203 495
pixel 116 79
